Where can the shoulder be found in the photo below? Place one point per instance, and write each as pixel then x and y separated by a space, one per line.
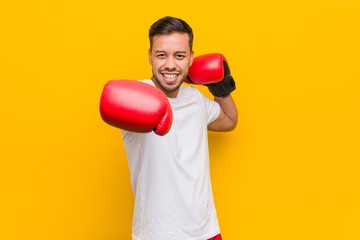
pixel 186 89
pixel 148 81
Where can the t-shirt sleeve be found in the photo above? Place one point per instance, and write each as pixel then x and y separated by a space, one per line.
pixel 212 109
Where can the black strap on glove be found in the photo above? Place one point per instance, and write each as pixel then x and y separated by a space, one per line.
pixel 223 88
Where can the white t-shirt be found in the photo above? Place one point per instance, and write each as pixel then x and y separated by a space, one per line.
pixel 170 175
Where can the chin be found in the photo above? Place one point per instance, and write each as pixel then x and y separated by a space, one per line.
pixel 172 88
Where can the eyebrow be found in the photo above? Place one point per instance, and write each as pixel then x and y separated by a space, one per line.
pixel 177 52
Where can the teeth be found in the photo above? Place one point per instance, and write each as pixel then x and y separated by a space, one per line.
pixel 171 76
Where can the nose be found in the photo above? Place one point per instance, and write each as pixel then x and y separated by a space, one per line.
pixel 170 63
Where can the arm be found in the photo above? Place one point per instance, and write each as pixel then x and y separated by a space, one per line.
pixel 212 70
pixel 228 117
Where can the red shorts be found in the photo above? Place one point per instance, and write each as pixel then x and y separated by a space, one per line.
pixel 217 237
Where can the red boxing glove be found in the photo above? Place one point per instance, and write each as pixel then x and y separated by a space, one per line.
pixel 212 70
pixel 135 106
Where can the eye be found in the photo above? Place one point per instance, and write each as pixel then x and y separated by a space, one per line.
pixel 160 55
pixel 180 56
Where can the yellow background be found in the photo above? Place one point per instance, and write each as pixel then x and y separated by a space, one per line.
pixel 289 171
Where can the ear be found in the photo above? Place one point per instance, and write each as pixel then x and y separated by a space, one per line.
pixel 191 58
pixel 149 57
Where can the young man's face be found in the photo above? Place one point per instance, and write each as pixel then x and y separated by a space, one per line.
pixel 170 58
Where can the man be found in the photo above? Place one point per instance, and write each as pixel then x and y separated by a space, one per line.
pixel 170 167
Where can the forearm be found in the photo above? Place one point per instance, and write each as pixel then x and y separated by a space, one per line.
pixel 229 114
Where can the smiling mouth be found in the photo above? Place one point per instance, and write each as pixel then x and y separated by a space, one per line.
pixel 170 76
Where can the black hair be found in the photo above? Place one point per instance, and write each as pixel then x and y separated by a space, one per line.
pixel 168 25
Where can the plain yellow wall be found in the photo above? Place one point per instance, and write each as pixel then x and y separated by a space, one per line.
pixel 289 171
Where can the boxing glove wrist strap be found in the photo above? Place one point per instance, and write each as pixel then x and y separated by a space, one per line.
pixel 223 88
